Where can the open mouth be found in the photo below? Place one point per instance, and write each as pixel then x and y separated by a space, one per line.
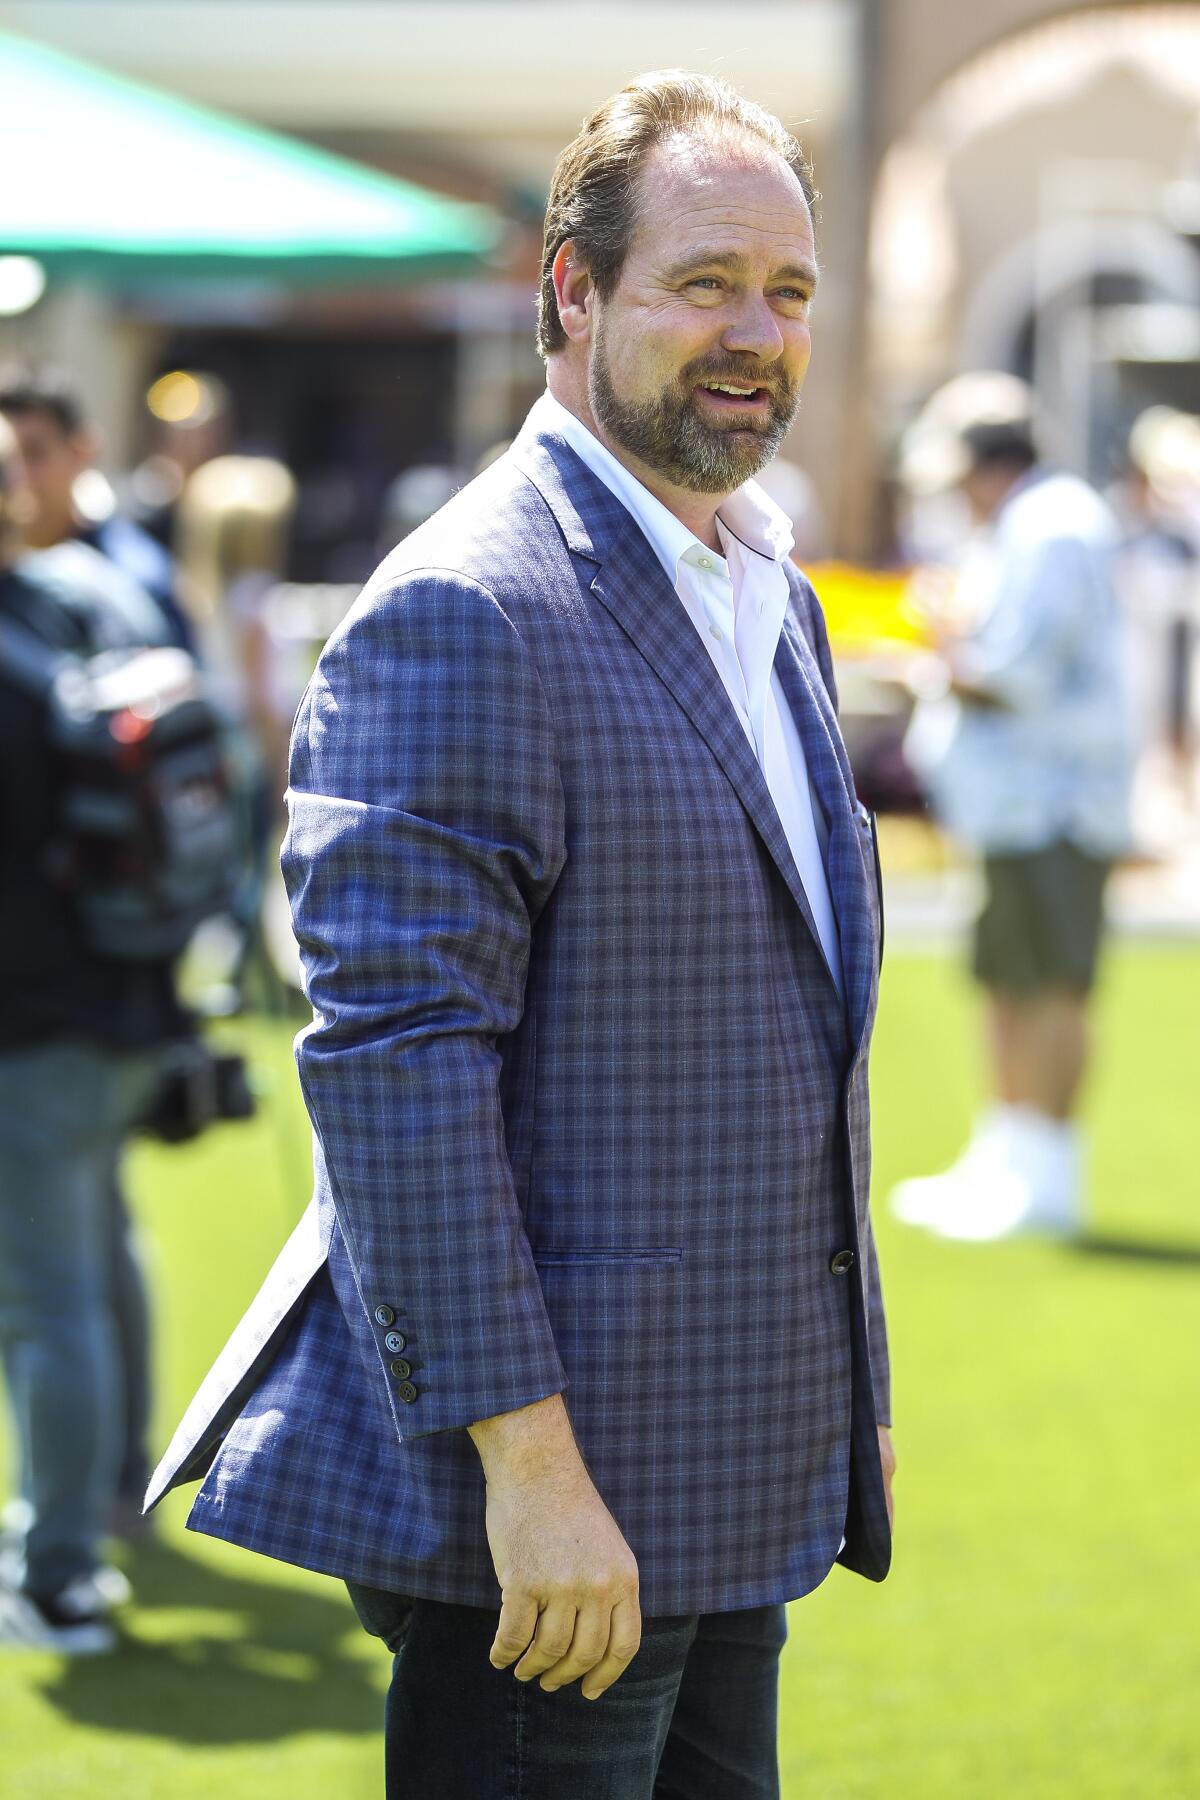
pixel 733 396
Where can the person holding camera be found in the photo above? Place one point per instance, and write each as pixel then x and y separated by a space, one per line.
pixel 79 1043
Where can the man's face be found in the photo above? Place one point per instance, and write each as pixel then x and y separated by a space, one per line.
pixel 15 500
pixel 986 487
pixel 52 459
pixel 715 290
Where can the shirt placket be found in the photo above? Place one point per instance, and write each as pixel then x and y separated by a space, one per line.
pixel 713 592
pixel 758 618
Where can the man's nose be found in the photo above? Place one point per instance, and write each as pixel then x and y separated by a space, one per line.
pixel 754 330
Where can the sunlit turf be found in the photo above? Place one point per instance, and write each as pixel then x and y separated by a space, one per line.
pixel 1038 1634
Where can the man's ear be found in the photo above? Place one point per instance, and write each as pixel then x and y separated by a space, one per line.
pixel 574 290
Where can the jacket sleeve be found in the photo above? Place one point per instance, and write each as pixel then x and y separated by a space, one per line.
pixel 426 833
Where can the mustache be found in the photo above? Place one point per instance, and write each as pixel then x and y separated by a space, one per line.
pixel 726 369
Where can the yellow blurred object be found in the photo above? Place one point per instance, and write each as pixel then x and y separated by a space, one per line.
pixel 183 398
pixel 174 397
pixel 866 610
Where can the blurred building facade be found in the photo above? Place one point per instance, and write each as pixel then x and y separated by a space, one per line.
pixel 1000 185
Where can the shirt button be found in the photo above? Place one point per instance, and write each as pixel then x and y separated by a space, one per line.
pixel 705 562
pixel 401 1369
pixel 715 631
pixel 841 1262
pixel 395 1342
pixel 384 1315
pixel 407 1392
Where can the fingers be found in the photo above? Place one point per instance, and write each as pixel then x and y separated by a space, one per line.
pixel 518 1620
pixel 563 1644
pixel 586 1648
pixel 551 1640
pixel 624 1640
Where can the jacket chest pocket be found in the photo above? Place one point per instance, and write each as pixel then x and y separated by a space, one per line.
pixel 616 1255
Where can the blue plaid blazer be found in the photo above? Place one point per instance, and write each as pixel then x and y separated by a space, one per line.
pixel 589 1113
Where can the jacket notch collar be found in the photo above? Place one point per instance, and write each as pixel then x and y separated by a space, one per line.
pixel 586 512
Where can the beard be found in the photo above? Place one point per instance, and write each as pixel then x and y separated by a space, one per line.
pixel 670 436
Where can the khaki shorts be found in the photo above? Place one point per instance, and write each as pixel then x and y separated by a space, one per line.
pixel 1042 920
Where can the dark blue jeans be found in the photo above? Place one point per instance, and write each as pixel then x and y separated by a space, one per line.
pixel 72 1306
pixel 692 1718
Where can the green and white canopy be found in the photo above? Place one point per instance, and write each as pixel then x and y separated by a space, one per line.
pixel 107 179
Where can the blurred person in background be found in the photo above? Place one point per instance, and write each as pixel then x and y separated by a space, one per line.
pixel 72 502
pixel 232 527
pixel 1026 756
pixel 73 535
pixel 78 1036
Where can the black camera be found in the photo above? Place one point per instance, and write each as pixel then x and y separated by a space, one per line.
pixel 197 1088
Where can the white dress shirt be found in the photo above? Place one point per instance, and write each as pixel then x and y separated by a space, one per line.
pixel 736 601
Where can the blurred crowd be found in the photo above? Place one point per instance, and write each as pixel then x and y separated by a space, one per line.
pixel 1048 674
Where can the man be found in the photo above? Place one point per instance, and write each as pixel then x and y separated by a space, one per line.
pixel 57 448
pixel 581 1343
pixel 77 1033
pixel 1028 760
pixel 119 566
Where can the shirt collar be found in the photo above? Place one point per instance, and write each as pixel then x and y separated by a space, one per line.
pixel 748 515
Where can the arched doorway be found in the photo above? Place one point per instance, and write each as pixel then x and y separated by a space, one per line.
pixel 1022 219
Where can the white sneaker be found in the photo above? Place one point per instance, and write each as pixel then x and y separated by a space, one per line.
pixel 72 1623
pixel 985 1210
pixel 1033 1187
pixel 1019 1173
pixel 106 1587
pixel 926 1199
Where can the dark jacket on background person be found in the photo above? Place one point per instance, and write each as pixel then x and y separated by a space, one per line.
pixel 53 985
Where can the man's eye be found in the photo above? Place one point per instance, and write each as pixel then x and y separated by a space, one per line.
pixel 709 281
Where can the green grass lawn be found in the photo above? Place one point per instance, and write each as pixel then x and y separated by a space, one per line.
pixel 1038 1636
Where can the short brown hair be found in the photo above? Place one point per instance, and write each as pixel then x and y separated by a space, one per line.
pixel 594 187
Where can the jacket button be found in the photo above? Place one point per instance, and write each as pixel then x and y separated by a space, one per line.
pixel 407 1392
pixel 395 1342
pixel 841 1262
pixel 384 1315
pixel 400 1368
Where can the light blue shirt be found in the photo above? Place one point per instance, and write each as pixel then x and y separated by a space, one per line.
pixel 736 601
pixel 1053 760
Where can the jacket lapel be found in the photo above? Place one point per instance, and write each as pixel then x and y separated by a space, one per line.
pixel 850 844
pixel 631 585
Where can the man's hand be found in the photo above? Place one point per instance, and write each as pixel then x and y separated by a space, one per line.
pixel 568 1579
pixel 887 1461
